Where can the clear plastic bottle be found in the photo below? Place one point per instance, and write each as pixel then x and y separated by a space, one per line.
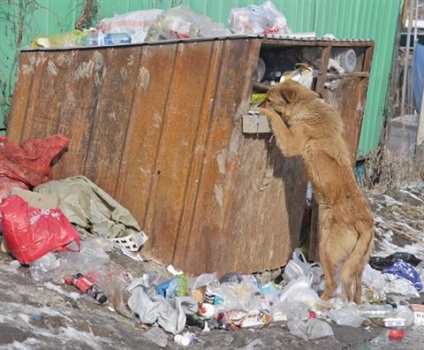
pixel 376 310
pixel 100 39
pixel 346 58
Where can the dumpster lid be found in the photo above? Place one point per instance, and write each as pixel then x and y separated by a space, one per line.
pixel 307 39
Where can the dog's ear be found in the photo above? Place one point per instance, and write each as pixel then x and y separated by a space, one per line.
pixel 292 91
pixel 288 93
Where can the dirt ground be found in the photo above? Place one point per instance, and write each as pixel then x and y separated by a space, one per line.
pixel 38 315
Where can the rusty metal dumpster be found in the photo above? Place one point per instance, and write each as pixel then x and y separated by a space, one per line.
pixel 158 126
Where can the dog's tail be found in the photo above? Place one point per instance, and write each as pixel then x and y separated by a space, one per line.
pixel 353 266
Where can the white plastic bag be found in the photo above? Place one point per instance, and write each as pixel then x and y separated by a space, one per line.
pixel 312 329
pixel 346 317
pixel 181 22
pixel 262 20
pixel 135 23
pixel 303 75
pixel 299 290
pixel 401 287
pixel 299 266
pixel 290 311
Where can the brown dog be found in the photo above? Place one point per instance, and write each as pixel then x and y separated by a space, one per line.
pixel 305 125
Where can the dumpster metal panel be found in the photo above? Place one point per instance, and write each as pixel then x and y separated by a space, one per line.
pixel 159 128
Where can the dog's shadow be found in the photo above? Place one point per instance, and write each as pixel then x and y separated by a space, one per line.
pixel 294 181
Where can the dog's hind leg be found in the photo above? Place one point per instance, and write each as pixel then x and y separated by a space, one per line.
pixel 353 268
pixel 360 269
pixel 326 252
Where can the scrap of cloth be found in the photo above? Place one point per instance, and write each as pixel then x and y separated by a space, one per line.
pixel 88 206
pixel 150 308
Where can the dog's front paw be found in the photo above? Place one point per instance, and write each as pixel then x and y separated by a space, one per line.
pixel 259 110
pixel 264 111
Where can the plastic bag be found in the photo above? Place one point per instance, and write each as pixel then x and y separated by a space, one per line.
pixel 346 317
pixel 373 278
pixel 400 286
pixel 30 233
pixel 135 23
pixel 232 295
pixel 44 269
pixel 406 313
pixel 405 270
pixel 262 20
pixel 182 23
pixel 290 311
pixel 29 164
pixel 68 39
pixel 299 290
pixel 299 266
pixel 312 329
pixel 381 263
pixel 91 257
pixel 303 74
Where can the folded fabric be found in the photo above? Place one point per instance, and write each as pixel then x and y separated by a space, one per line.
pixel 88 206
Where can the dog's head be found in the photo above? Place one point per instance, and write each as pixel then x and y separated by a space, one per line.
pixel 289 92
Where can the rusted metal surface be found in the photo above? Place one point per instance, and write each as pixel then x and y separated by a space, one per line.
pixel 349 98
pixel 159 128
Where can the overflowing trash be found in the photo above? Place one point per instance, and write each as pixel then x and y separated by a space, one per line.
pixel 178 22
pixel 182 23
pixel 264 19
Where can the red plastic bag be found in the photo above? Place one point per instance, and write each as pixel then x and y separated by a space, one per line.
pixel 30 232
pixel 29 164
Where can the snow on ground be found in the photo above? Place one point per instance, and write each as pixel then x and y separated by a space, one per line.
pixel 399 220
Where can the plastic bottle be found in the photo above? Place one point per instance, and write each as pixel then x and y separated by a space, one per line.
pixel 376 311
pixel 88 287
pixel 100 39
pixel 346 58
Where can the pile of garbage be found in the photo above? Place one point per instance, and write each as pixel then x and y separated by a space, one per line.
pixel 64 231
pixel 178 22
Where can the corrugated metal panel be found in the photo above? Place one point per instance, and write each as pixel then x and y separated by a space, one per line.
pixel 374 19
pixel 158 128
